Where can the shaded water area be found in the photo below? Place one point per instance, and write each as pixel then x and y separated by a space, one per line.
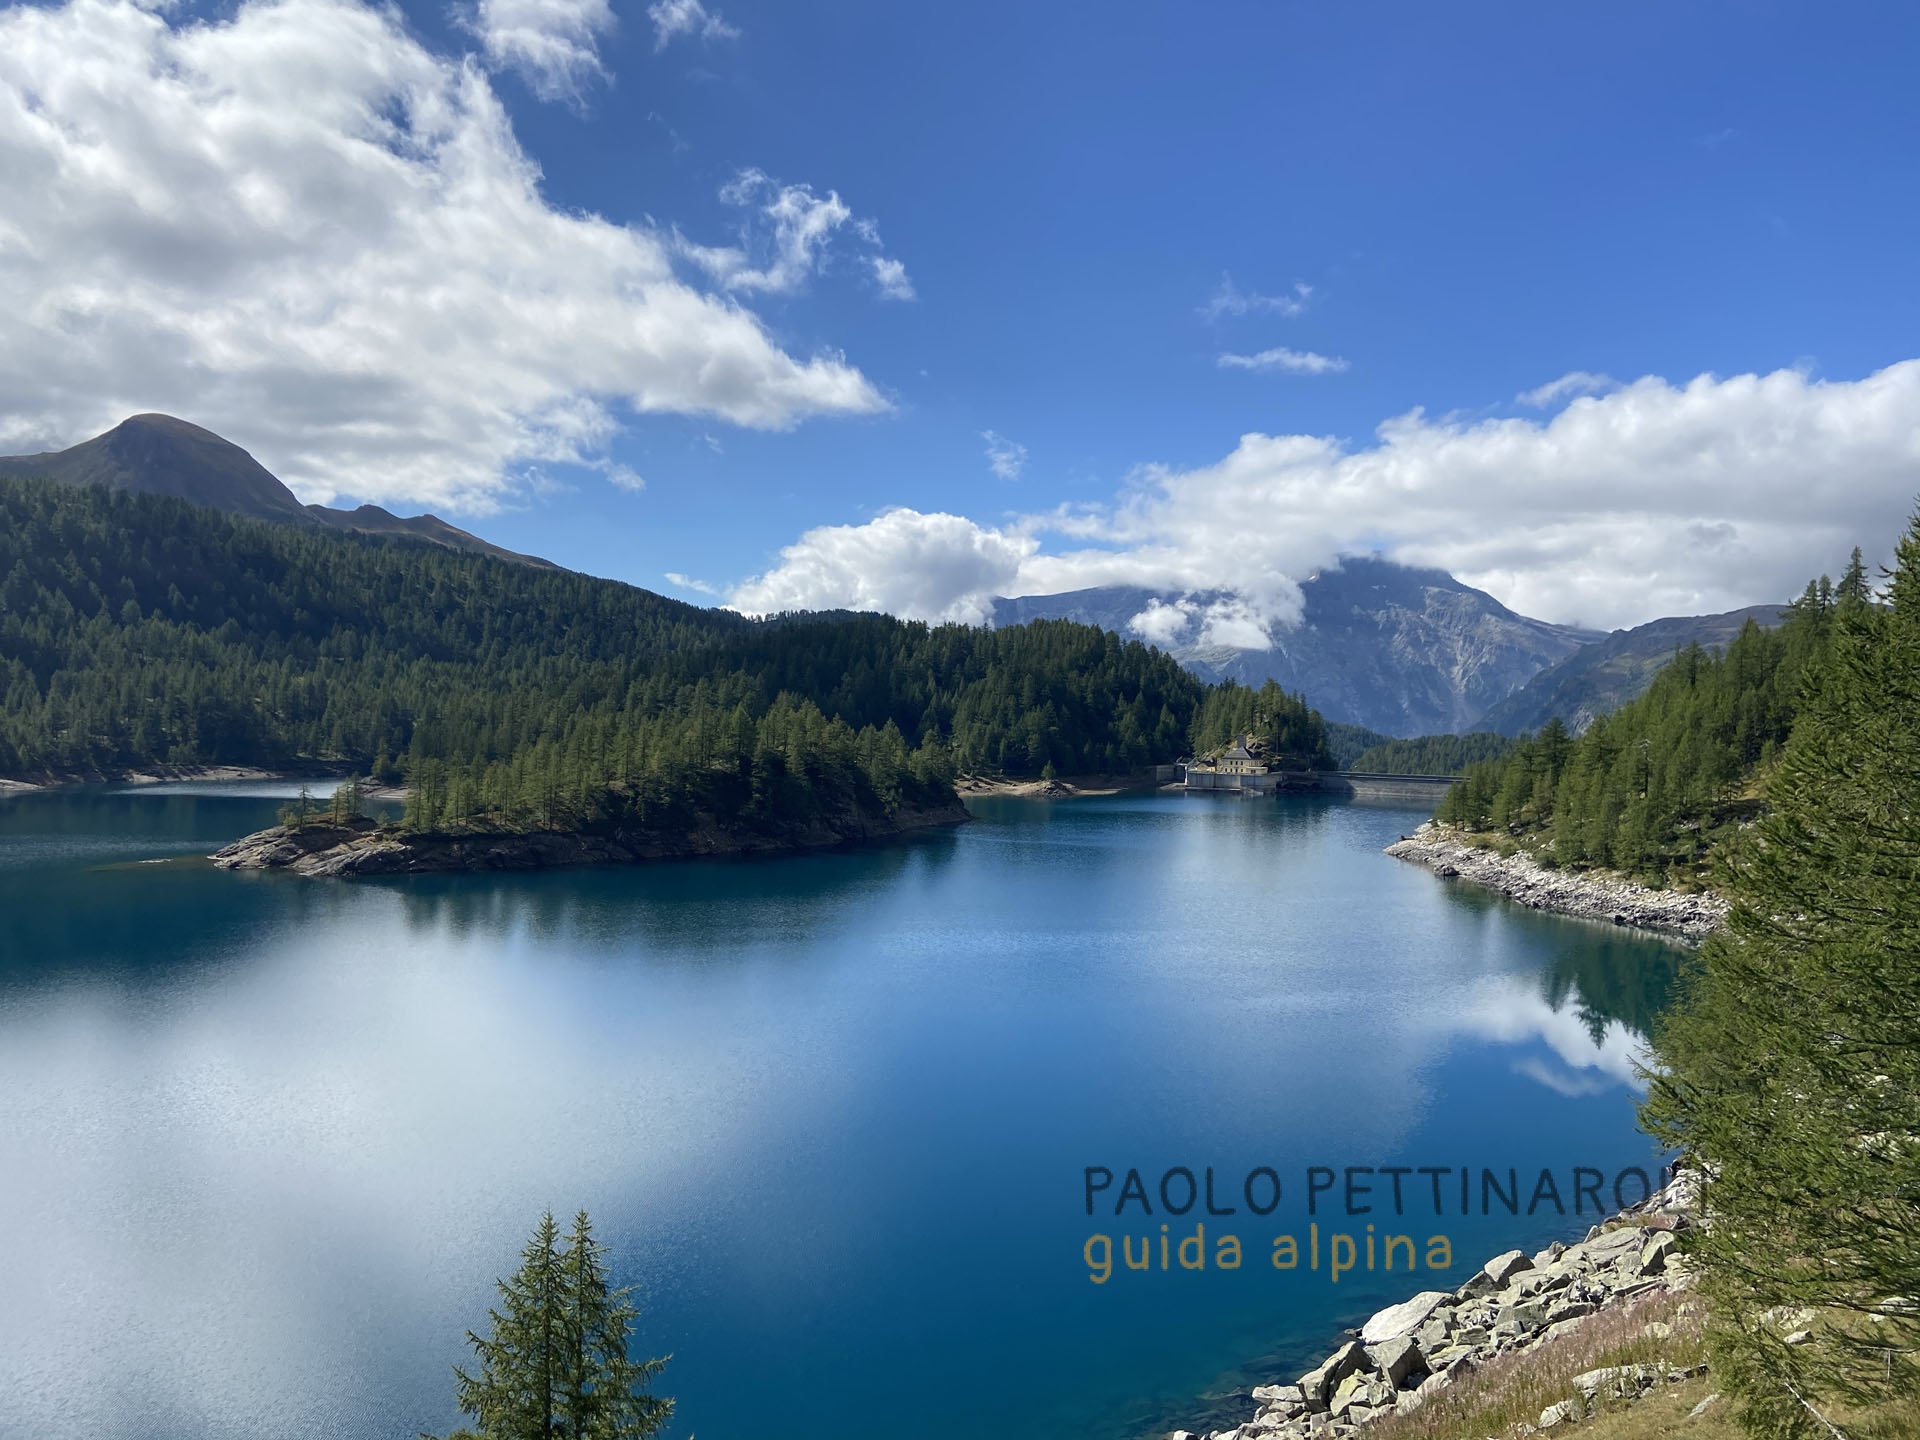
pixel 266 1142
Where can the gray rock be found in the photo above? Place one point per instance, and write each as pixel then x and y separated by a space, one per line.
pixel 1697 1411
pixel 1477 1285
pixel 1399 1360
pixel 1560 1414
pixel 1653 1255
pixel 1404 1318
pixel 1319 1384
pixel 1570 1310
pixel 1504 1267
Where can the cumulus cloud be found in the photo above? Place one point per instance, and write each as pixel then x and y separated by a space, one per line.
pixel 932 567
pixel 302 228
pixel 1567 387
pixel 1656 499
pixel 787 238
pixel 554 44
pixel 674 18
pixel 1230 300
pixel 1005 458
pixel 1296 362
pixel 1218 622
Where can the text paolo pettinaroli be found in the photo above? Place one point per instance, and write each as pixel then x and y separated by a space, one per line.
pixel 1406 1193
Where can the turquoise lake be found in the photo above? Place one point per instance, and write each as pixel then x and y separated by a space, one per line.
pixel 265 1142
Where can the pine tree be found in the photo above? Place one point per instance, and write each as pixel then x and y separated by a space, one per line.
pixel 556 1365
pixel 1793 1068
pixel 604 1394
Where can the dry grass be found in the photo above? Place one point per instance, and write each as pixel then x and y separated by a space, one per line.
pixel 1512 1390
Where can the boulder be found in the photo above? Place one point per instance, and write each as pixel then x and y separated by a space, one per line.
pixel 1352 1391
pixel 1399 1360
pixel 1476 1285
pixel 1504 1267
pixel 1653 1255
pixel 1570 1310
pixel 1527 1315
pixel 1402 1319
pixel 1564 1412
pixel 1319 1384
pixel 1615 1382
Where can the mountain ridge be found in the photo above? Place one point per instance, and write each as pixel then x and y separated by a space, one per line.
pixel 1601 677
pixel 159 454
pixel 1395 648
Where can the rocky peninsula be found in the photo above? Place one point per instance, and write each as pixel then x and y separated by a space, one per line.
pixel 1589 894
pixel 1598 1295
pixel 360 846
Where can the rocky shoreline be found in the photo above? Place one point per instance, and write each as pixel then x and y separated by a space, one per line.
pixel 1406 1355
pixel 1589 895
pixel 361 846
pixel 318 773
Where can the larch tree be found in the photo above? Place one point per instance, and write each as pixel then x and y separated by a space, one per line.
pixel 555 1366
pixel 1792 1069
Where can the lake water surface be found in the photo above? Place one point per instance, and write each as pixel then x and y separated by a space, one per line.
pixel 266 1142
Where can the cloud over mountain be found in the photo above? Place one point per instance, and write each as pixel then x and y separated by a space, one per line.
pixel 309 231
pixel 1652 499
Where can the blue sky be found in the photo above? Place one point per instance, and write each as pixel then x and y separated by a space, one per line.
pixel 1449 206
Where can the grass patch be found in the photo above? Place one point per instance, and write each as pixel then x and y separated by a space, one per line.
pixel 1663 1330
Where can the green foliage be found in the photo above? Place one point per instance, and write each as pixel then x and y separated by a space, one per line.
pixel 1651 788
pixel 1431 754
pixel 1793 1065
pixel 298 812
pixel 1349 742
pixel 1295 736
pixel 136 629
pixel 556 1365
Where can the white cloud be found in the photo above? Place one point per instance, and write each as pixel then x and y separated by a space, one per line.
pixel 554 44
pixel 674 18
pixel 1567 387
pixel 1657 499
pixel 1005 458
pixel 933 567
pixel 687 582
pixel 625 477
pixel 302 228
pixel 1297 362
pixel 1163 624
pixel 1229 299
pixel 788 238
pixel 891 278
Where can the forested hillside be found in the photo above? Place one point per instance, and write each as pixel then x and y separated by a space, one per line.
pixel 1293 736
pixel 138 629
pixel 1432 754
pixel 1650 788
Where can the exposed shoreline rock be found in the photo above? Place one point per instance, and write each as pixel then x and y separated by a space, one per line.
pixel 1408 1353
pixel 1065 787
pixel 317 773
pixel 363 847
pixel 1588 895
